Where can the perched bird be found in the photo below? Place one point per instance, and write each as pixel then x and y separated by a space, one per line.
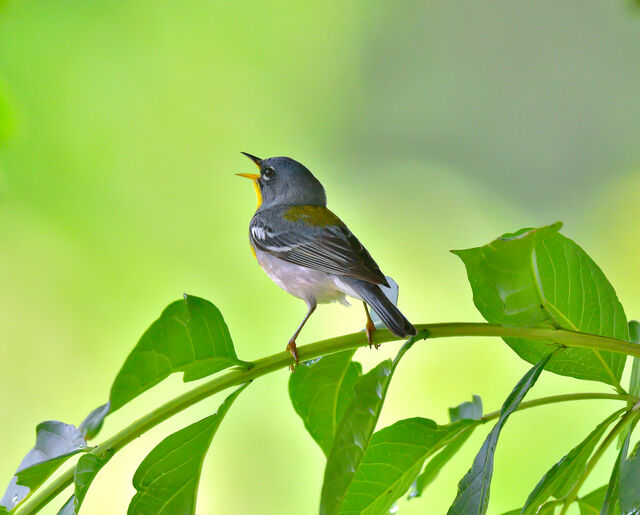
pixel 308 251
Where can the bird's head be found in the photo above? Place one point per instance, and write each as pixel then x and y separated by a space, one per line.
pixel 283 180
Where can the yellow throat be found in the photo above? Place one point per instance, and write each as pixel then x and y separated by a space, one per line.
pixel 254 178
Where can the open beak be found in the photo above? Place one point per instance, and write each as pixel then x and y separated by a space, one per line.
pixel 255 159
pixel 254 176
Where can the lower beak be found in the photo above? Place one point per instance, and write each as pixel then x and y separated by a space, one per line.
pixel 252 176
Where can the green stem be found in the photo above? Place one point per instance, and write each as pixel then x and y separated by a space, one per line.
pixel 613 434
pixel 283 359
pixel 554 399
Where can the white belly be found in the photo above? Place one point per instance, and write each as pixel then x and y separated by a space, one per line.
pixel 302 282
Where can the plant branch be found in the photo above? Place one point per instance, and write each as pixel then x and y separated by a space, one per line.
pixel 554 399
pixel 613 434
pixel 351 341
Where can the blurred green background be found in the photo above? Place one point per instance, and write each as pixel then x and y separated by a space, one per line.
pixel 433 125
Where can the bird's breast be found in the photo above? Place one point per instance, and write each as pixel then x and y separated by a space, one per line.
pixel 302 282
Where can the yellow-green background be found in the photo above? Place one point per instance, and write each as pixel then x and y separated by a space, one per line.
pixel 433 125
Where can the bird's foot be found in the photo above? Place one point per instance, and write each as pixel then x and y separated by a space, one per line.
pixel 293 350
pixel 371 329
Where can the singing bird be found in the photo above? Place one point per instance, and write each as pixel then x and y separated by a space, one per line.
pixel 308 251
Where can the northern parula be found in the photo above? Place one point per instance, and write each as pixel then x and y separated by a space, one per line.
pixel 308 251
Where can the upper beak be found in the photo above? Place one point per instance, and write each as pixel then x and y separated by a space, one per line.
pixel 255 159
pixel 252 176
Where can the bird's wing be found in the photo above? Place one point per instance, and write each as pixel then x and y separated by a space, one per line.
pixel 314 237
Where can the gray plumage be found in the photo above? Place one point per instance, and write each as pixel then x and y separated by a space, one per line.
pixel 329 248
pixel 293 184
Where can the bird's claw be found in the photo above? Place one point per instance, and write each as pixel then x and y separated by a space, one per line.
pixel 293 350
pixel 370 330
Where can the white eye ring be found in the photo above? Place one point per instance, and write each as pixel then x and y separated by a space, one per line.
pixel 268 172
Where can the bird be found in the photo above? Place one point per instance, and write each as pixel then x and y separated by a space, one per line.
pixel 309 252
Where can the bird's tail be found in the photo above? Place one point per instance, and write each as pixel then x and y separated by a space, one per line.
pixel 391 316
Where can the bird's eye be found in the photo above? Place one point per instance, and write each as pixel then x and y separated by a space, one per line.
pixel 268 172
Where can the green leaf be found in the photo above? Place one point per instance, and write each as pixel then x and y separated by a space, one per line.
pixel 437 463
pixel 320 392
pixel 630 483
pixel 91 426
pixel 560 478
pixel 610 504
pixel 87 468
pixel 392 461
pixel 634 380
pixel 539 278
pixel 473 490
pixel 548 508
pixel 167 479
pixel 55 443
pixel 354 432
pixel 634 336
pixel 190 336
pixel 67 508
pixel 465 411
pixel 590 504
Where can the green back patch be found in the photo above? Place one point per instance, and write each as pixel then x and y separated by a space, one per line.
pixel 316 216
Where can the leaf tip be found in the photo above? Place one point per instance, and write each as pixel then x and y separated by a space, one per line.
pixel 93 422
pixel 459 252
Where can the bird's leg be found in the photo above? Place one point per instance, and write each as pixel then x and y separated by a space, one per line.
pixel 370 327
pixel 291 347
